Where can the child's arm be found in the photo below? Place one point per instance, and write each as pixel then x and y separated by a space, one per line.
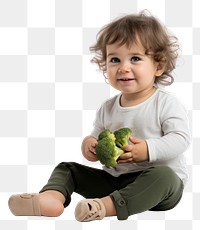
pixel 176 133
pixel 88 148
pixel 175 139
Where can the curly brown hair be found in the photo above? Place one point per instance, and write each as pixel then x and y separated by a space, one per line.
pixel 154 37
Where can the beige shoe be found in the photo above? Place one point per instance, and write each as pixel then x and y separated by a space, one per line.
pixel 25 204
pixel 90 209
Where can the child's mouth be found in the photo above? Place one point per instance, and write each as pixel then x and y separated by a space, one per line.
pixel 126 79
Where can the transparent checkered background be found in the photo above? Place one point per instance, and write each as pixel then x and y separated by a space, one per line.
pixel 49 93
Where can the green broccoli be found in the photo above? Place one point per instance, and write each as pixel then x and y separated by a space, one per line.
pixel 109 146
pixel 122 136
pixel 106 133
pixel 107 152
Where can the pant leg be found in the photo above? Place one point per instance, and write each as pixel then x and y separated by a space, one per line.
pixel 157 188
pixel 69 177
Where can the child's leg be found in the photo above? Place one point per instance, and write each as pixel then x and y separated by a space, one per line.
pixel 157 188
pixel 56 194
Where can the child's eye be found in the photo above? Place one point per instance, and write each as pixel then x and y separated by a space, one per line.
pixel 114 60
pixel 135 59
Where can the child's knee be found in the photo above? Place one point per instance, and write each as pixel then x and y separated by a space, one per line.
pixel 167 175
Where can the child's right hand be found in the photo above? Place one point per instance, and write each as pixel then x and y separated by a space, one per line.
pixel 88 149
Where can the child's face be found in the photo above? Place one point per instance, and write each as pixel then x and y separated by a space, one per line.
pixel 130 70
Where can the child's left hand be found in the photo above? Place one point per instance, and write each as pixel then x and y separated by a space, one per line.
pixel 136 152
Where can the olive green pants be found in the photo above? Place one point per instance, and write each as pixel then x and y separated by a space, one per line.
pixel 155 189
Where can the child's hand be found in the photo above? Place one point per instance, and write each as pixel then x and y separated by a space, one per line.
pixel 136 152
pixel 88 149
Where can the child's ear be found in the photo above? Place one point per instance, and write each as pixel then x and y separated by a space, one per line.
pixel 160 68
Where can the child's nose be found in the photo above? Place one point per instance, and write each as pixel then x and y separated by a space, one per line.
pixel 124 68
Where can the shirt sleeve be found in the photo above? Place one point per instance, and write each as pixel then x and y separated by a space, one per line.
pixel 98 123
pixel 176 134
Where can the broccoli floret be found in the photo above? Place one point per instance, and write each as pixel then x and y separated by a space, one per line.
pixel 122 136
pixel 107 152
pixel 106 133
pixel 109 146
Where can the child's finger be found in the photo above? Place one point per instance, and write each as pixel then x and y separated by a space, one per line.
pixel 127 148
pixel 125 156
pixel 134 140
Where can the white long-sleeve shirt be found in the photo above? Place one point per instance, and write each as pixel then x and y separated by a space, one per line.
pixel 161 120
